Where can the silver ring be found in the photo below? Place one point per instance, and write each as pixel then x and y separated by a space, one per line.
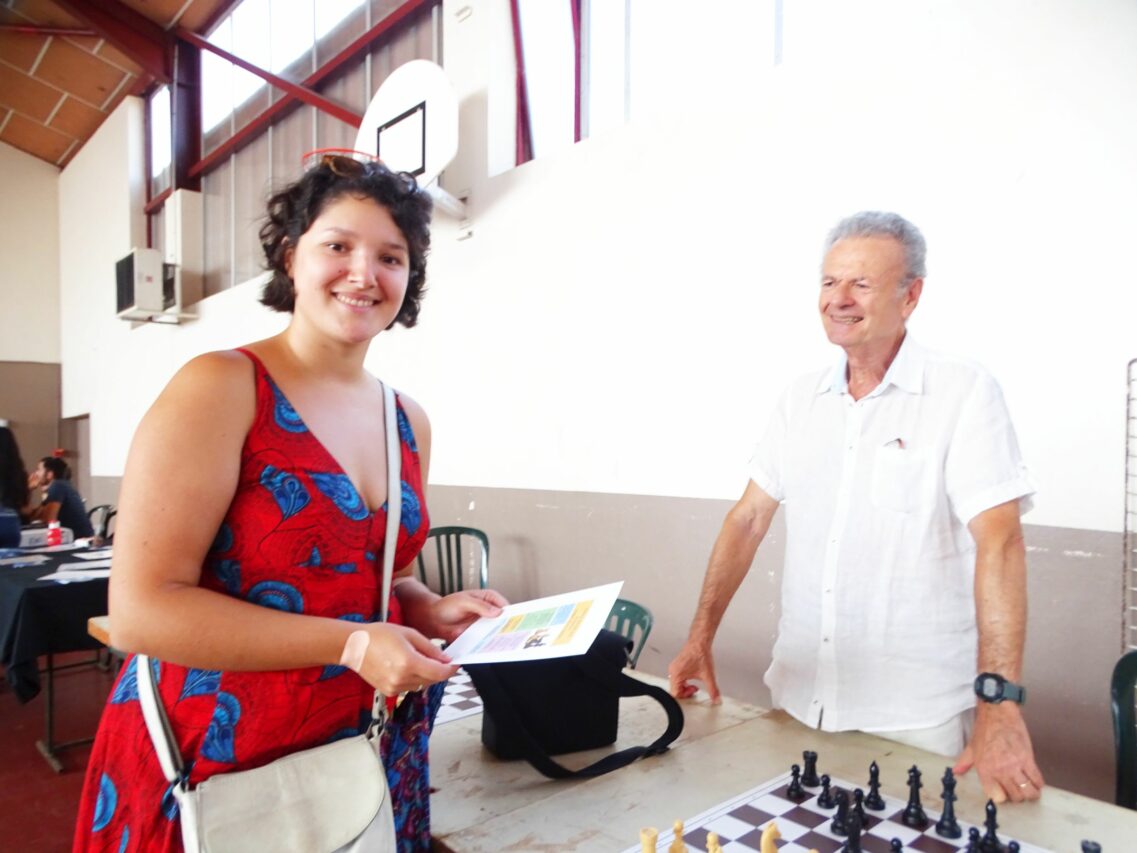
pixel 1023 784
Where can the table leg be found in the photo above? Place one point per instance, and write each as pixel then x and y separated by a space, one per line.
pixel 47 747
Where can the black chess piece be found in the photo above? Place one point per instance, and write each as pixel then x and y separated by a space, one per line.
pixel 896 846
pixel 809 773
pixel 973 840
pixel 853 842
pixel 859 807
pixel 914 815
pixel 947 826
pixel 991 842
pixel 1012 847
pixel 825 798
pixel 1091 847
pixel 873 799
pixel 840 824
pixel 794 790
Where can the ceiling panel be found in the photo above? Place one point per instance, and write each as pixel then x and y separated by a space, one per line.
pixel 21 50
pixel 56 88
pixel 76 119
pixel 27 135
pixel 26 94
pixel 80 72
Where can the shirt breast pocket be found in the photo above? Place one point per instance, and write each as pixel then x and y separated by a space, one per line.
pixel 901 479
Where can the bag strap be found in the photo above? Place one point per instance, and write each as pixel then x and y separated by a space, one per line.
pixel 494 695
pixel 157 723
pixel 154 713
pixel 394 496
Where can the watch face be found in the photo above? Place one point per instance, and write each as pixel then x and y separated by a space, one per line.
pixel 989 688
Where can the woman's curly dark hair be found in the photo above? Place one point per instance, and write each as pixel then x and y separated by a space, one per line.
pixel 292 211
pixel 13 474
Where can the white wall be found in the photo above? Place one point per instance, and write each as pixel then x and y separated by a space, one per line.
pixel 626 312
pixel 29 258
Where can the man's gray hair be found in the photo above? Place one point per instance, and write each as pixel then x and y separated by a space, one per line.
pixel 877 223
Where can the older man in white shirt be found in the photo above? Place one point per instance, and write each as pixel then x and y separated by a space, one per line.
pixel 904 589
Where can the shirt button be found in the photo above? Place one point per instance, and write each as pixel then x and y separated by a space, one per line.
pixel 825 639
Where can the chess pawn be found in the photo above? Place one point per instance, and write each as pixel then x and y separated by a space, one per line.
pixel 794 790
pixel 825 798
pixel 713 845
pixel 677 846
pixel 895 846
pixel 1091 847
pixel 648 836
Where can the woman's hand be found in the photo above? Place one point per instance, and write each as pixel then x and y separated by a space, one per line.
pixel 399 659
pixel 451 615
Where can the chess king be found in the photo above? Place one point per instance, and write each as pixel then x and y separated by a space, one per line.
pixel 905 568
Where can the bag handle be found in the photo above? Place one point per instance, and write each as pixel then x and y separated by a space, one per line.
pixel 154 713
pixel 494 695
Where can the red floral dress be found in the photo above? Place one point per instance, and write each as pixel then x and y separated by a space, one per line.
pixel 299 538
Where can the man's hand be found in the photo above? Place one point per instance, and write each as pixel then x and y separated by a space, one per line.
pixel 693 661
pixel 1001 753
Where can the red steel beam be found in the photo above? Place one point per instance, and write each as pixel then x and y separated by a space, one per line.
pixel 131 32
pixel 250 131
pixel 37 30
pixel 297 91
pixel 523 152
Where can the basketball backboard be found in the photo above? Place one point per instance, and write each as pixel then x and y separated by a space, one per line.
pixel 412 123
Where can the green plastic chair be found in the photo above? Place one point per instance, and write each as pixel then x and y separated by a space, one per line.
pixel 448 563
pixel 626 617
pixel 1122 690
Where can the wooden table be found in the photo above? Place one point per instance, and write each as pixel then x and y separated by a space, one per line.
pixel 483 804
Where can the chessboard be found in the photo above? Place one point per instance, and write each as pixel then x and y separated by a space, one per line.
pixel 460 699
pixel 805 826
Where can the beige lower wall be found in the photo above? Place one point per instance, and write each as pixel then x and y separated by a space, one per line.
pixel 544 542
pixel 548 542
pixel 29 400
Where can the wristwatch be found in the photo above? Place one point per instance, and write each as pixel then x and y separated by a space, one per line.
pixel 992 687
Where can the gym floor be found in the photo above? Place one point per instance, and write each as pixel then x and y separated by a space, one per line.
pixel 38 805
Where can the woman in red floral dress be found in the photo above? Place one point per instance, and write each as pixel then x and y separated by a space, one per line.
pixel 251 523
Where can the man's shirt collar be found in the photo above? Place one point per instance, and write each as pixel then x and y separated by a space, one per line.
pixel 906 372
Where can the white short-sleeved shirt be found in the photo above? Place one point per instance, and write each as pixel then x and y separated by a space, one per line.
pixel 878 616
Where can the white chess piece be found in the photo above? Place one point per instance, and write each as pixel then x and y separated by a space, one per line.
pixel 648 835
pixel 677 846
pixel 769 835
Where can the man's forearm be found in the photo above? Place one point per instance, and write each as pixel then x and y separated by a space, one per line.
pixel 1001 596
pixel 742 532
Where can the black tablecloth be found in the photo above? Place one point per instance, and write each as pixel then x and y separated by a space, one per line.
pixel 41 617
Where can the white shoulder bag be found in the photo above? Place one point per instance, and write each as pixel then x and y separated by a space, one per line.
pixel 329 799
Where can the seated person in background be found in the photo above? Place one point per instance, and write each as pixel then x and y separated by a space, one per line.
pixel 60 500
pixel 13 489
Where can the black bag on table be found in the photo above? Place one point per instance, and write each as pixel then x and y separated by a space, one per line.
pixel 534 709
